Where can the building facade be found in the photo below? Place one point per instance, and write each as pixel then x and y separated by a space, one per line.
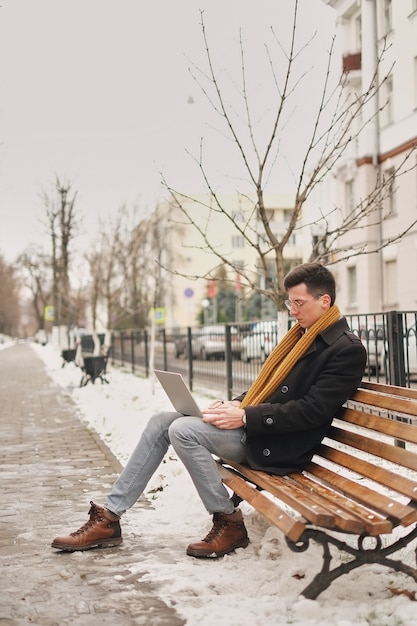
pixel 215 234
pixel 379 36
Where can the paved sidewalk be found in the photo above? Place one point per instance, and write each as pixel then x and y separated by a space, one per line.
pixel 47 459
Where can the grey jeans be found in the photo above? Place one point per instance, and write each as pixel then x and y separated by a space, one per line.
pixel 194 442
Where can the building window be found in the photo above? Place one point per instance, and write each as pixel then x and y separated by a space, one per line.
pixel 387 15
pixel 391 292
pixel 352 286
pixel 358 32
pixel 415 171
pixel 238 241
pixel 415 81
pixel 390 205
pixel 388 110
pixel 350 203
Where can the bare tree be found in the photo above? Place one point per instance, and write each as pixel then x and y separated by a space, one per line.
pixel 126 267
pixel 145 254
pixel 37 277
pixel 95 262
pixel 339 119
pixel 62 223
pixel 106 283
pixel 9 299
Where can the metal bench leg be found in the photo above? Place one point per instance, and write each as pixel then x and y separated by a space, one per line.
pixel 361 556
pixel 84 380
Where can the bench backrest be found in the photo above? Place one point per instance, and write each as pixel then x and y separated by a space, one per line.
pixel 370 453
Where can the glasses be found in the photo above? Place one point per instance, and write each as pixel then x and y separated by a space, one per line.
pixel 297 304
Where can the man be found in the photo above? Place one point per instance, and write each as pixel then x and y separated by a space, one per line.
pixel 275 426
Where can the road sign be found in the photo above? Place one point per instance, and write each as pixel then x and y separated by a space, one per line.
pixel 159 315
pixel 49 313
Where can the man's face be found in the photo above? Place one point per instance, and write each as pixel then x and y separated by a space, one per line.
pixel 305 307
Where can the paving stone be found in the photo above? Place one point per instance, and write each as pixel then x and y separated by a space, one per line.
pixel 47 458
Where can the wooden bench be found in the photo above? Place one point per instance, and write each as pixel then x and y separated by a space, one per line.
pixel 359 493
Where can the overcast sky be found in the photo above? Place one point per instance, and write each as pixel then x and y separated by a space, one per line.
pixel 97 93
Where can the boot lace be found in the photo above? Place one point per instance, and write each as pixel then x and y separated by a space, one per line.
pixel 218 526
pixel 94 518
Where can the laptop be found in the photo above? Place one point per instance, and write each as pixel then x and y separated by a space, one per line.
pixel 178 392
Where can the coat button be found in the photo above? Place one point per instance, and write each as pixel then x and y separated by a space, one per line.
pixel 269 421
pixel 266 452
pixel 284 389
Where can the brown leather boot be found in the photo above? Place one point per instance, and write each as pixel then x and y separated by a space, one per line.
pixel 101 531
pixel 227 534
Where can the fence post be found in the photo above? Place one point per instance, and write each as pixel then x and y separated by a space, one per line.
pixel 164 348
pixel 396 349
pixel 190 357
pixel 228 356
pixel 122 348
pixel 396 355
pixel 132 350
pixel 145 338
pixel 112 348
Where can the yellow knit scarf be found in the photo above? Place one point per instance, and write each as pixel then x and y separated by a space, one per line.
pixel 284 356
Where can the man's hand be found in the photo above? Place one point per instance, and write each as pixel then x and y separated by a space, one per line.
pixel 227 415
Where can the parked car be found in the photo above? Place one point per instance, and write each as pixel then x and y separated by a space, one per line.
pixel 410 353
pixel 180 345
pixel 208 342
pixel 374 340
pixel 376 344
pixel 260 342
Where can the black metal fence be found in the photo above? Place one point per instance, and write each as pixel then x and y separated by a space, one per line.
pixel 227 357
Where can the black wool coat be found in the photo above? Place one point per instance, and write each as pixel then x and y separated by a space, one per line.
pixel 283 433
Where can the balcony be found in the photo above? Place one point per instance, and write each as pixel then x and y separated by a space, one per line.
pixel 352 62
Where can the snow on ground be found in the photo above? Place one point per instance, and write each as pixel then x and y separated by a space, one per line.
pixel 253 587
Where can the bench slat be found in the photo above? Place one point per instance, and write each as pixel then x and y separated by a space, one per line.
pixel 395 511
pixel 393 428
pixel 341 514
pixel 290 526
pixel 282 488
pixel 385 401
pixel 383 476
pixel 341 518
pixel 370 521
pixel 386 451
pixel 390 390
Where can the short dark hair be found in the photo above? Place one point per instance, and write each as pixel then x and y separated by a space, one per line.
pixel 318 279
